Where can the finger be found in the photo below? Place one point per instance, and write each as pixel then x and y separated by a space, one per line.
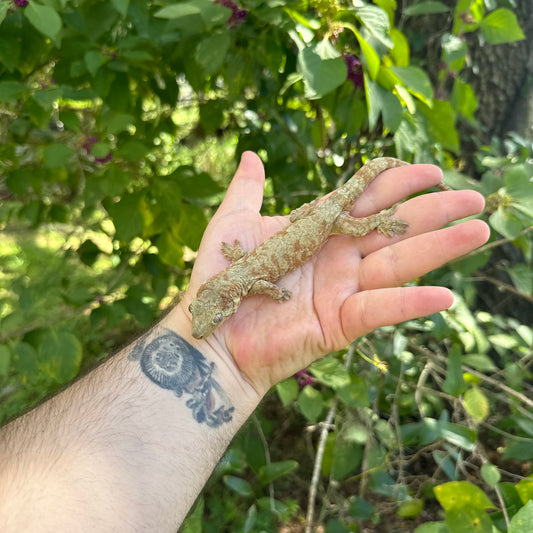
pixel 368 310
pixel 394 185
pixel 406 260
pixel 246 187
pixel 427 213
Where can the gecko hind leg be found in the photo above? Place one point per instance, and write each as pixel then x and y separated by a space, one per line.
pixel 262 286
pixel 233 252
pixel 384 222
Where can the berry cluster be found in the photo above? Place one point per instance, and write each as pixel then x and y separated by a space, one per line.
pixel 238 15
pixel 21 3
pixel 304 378
pixel 355 71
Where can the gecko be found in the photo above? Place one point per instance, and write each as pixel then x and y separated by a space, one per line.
pixel 311 225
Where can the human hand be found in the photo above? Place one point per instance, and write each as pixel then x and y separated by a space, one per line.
pixel 351 286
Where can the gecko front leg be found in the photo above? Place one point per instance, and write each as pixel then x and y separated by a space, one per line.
pixel 262 286
pixel 384 222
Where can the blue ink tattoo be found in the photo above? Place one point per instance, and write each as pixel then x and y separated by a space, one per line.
pixel 173 364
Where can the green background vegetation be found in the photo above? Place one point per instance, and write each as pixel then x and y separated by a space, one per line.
pixel 120 125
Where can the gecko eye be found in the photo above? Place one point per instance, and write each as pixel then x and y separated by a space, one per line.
pixel 217 319
pixel 190 308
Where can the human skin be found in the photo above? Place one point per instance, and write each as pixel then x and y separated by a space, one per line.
pixel 129 447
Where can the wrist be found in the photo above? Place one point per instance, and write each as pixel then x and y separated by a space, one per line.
pixel 235 384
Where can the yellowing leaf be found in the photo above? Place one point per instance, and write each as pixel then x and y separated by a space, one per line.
pixel 457 495
pixel 476 404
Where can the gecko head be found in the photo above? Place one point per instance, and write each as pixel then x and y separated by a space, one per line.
pixel 210 309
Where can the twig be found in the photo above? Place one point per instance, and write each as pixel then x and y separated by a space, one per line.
pixel 326 426
pixel 493 244
pixel 504 286
pixel 496 383
pixel 395 417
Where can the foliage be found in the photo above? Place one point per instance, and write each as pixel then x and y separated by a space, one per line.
pixel 117 122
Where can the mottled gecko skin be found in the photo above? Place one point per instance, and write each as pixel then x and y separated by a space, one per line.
pixel 311 225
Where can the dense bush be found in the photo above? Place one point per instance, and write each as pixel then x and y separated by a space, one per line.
pixel 118 125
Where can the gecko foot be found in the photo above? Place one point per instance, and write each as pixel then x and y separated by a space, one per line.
pixel 389 225
pixel 233 252
pixel 284 296
pixel 266 287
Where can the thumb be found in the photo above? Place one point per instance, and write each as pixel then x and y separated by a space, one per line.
pixel 246 188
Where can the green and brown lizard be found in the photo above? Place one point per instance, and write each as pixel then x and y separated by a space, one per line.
pixel 311 225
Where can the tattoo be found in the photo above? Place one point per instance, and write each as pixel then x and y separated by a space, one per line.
pixel 173 364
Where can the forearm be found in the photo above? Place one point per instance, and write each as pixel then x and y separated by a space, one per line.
pixel 128 447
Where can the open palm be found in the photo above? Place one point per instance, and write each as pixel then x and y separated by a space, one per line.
pixel 351 286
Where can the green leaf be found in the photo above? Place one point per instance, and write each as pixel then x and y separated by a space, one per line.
pixel 400 52
pixel 46 98
pixel 192 225
pixel 432 527
pixel 454 433
pixel 504 221
pixel 132 150
pixel 167 194
pixel 4 6
pixel 251 518
pixel 94 59
pixel 126 215
pixel 454 383
pixel 287 391
pixel 44 19
pixel 24 360
pixel 467 520
pixel 464 99
pixel 456 495
pixel 311 403
pixel 476 404
pixel 210 13
pixel 416 81
pixel 270 472
pixel 211 51
pixel 239 485
pixel 524 488
pixel 170 248
pixel 57 155
pixel 331 372
pixel 121 6
pixel 355 393
pixel 490 474
pixel 522 520
pixel 441 124
pixel 411 508
pixel 376 21
pixel 521 450
pixel 501 26
pixel 322 68
pixel 371 57
pixel 5 359
pixel 429 7
pixel 361 509
pixel 60 354
pixel 11 90
pixel 347 457
pixel 195 184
